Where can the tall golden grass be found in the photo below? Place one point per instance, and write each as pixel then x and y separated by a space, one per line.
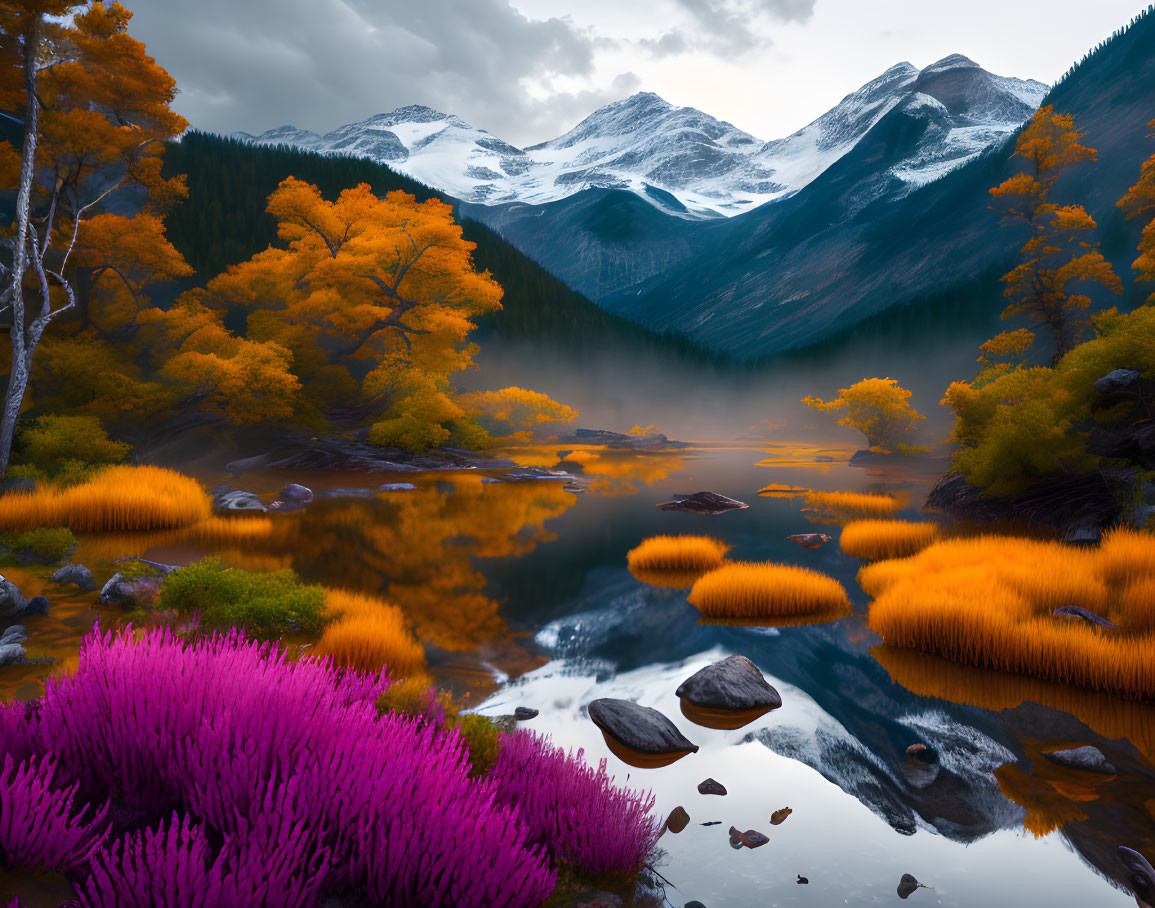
pixel 778 489
pixel 745 590
pixel 988 602
pixel 116 499
pixel 876 539
pixel 677 553
pixel 368 634
pixel 854 504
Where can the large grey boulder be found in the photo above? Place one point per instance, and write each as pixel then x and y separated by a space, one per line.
pixel 1086 758
pixel 733 683
pixel 13 634
pixel 12 654
pixel 75 574
pixel 639 728
pixel 227 500
pixel 12 601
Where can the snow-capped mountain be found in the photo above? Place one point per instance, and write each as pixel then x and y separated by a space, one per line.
pixel 680 159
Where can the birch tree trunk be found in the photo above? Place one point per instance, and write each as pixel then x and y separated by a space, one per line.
pixel 21 348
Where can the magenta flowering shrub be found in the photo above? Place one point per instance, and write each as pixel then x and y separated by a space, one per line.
pixel 574 810
pixel 237 777
pixel 38 826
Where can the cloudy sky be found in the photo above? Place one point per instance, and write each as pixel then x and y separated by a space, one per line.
pixel 527 70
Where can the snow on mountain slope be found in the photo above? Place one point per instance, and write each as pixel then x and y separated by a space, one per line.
pixel 680 159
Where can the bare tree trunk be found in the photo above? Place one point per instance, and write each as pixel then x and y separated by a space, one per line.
pixel 21 349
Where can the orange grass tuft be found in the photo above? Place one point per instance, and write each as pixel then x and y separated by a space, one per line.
pixel 677 553
pixel 233 529
pixel 116 499
pixel 988 602
pixel 854 504
pixel 768 591
pixel 875 539
pixel 778 489
pixel 369 634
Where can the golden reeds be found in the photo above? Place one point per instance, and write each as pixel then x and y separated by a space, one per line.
pixel 777 489
pixel 854 504
pixel 767 590
pixel 677 553
pixel 369 634
pixel 116 499
pixel 876 539
pixel 988 602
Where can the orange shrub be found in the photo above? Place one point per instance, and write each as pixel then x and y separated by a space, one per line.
pixel 776 488
pixel 745 590
pixel 853 504
pixel 875 539
pixel 369 634
pixel 116 499
pixel 677 553
pixel 988 602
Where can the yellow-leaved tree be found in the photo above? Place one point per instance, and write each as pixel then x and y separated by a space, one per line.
pixel 1060 263
pixel 375 299
pixel 1140 200
pixel 877 407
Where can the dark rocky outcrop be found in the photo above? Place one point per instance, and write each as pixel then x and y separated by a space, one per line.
pixel 335 454
pixel 12 601
pixel 751 838
pixel 702 503
pixel 1081 614
pixel 907 885
pixel 677 820
pixel 295 493
pixel 525 713
pixel 622 442
pixel 639 728
pixel 733 683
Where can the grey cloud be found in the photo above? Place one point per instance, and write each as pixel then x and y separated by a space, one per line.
pixel 670 44
pixel 246 65
pixel 737 26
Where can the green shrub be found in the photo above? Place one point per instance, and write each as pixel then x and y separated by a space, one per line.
pixel 26 471
pixel 484 741
pixel 266 605
pixel 68 448
pixel 44 544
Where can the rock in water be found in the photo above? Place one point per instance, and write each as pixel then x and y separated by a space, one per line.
pixel 76 574
pixel 397 487
pixel 779 816
pixel 1141 875
pixel 11 654
pixel 922 753
pixel 751 838
pixel 801 881
pixel 1082 614
pixel 734 683
pixel 295 493
pixel 695 904
pixel 524 713
pixel 711 787
pixel 37 605
pixel 139 586
pixel 13 634
pixel 227 500
pixel 1087 758
pixel 703 503
pixel 643 732
pixel 810 540
pixel 907 885
pixel 12 601
pixel 677 820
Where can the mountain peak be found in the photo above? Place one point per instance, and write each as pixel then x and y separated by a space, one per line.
pixel 954 61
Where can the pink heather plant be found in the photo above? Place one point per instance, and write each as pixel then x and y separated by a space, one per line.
pixel 38 827
pixel 575 811
pixel 288 765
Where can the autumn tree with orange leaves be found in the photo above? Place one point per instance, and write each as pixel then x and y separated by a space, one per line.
pixel 1058 259
pixel 94 109
pixel 1140 200
pixel 375 299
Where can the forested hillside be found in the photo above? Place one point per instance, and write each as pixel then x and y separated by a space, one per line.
pixel 224 221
